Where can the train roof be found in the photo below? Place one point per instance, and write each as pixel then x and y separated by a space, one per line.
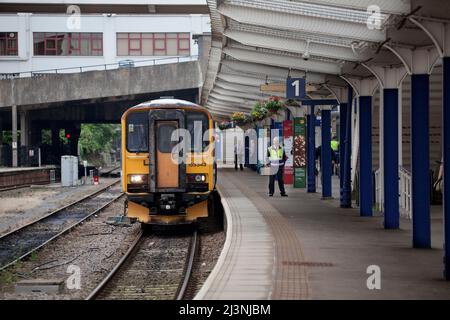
pixel 168 103
pixel 165 103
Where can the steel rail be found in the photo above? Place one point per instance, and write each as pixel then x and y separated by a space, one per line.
pixel 64 230
pixel 188 268
pixel 94 293
pixel 91 195
pixel 187 272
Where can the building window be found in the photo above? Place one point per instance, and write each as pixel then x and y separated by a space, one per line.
pixel 8 44
pixel 153 44
pixel 68 44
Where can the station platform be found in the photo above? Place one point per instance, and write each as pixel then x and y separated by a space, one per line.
pixel 303 247
pixel 10 177
pixel 5 170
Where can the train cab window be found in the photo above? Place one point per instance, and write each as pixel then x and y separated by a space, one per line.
pixel 197 124
pixel 137 132
pixel 165 130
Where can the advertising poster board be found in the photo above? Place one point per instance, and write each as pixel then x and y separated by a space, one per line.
pixel 300 152
pixel 288 144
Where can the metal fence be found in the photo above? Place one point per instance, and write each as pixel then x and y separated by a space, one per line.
pixel 99 67
pixel 5 155
pixel 405 193
pixel 405 198
pixel 29 156
pixel 26 156
pixel 378 196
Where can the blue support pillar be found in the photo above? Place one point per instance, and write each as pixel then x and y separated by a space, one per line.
pixel 311 125
pixel 446 157
pixel 365 156
pixel 346 196
pixel 342 118
pixel 420 161
pixel 325 156
pixel 390 159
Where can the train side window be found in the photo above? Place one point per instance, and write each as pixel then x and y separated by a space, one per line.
pixel 137 132
pixel 197 121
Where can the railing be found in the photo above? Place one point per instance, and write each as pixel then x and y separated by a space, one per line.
pixel 405 198
pixel 405 193
pixel 108 66
pixel 378 195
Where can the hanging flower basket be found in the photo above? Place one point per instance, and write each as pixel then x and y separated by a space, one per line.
pixel 259 111
pixel 274 104
pixel 238 117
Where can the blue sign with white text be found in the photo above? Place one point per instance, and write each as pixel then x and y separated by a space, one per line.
pixel 295 88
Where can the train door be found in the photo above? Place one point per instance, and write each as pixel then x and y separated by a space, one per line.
pixel 166 175
pixel 166 168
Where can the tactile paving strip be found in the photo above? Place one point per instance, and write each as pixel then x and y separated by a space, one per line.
pixel 290 280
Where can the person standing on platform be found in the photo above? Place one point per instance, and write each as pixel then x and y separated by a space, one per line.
pixel 238 153
pixel 277 158
pixel 335 153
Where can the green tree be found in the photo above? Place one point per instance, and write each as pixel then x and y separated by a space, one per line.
pixel 96 139
pixel 46 135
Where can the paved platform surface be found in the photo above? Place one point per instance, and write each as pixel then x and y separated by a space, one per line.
pixel 302 247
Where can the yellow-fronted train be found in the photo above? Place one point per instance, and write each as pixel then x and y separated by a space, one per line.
pixel 168 162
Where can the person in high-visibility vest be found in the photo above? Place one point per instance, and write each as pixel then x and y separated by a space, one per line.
pixel 277 159
pixel 335 144
pixel 334 154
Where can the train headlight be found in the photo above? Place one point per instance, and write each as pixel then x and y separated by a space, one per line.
pixel 200 177
pixel 138 178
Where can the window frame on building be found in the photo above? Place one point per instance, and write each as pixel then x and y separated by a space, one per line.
pixel 131 38
pixel 94 41
pixel 9 51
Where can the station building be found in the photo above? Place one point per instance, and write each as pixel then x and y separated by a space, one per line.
pixel 43 36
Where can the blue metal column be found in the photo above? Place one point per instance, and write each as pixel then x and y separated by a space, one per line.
pixel 390 159
pixel 346 196
pixel 342 118
pixel 365 156
pixel 420 161
pixel 446 156
pixel 311 124
pixel 325 156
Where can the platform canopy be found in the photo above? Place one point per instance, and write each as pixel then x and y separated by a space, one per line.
pixel 257 42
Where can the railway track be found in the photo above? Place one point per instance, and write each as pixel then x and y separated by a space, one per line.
pixel 154 268
pixel 111 172
pixel 22 242
pixel 23 186
pixel 15 187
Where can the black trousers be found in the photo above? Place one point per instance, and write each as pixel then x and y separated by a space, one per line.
pixel 279 175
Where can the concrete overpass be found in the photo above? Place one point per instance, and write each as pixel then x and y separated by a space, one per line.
pixel 64 101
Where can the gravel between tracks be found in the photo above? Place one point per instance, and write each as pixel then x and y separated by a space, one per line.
pixel 94 246
pixel 22 206
pixel 153 272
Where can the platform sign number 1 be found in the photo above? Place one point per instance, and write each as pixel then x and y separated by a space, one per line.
pixel 295 88
pixel 296 85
